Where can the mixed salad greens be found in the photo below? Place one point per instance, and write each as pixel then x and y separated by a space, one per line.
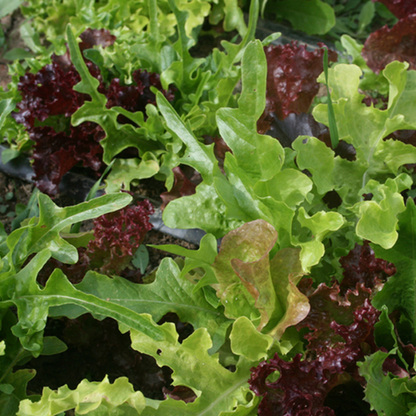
pixel 307 304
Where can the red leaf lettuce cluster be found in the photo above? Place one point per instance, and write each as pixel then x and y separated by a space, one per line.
pixel 340 332
pixel 396 44
pixel 48 100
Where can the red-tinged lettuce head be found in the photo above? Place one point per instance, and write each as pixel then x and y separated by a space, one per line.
pixel 48 93
pixel 300 390
pixel 396 44
pixel 400 8
pixel 94 37
pixel 291 80
pixel 136 96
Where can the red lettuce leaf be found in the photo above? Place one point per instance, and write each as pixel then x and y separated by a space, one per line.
pixel 362 267
pixel 300 390
pixel 340 328
pixel 396 44
pixel 136 96
pixel 48 93
pixel 332 353
pixel 400 8
pixel 291 80
pixel 56 153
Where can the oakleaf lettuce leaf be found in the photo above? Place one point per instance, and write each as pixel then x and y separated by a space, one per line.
pixel 203 258
pixel 217 389
pixel 170 292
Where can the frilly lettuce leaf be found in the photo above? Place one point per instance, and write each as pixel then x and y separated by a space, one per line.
pixel 247 341
pixel 89 398
pixel 365 127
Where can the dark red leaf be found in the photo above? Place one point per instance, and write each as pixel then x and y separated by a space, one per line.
pixel 400 8
pixel 55 153
pixel 48 93
pixel 341 333
pixel 93 37
pixel 362 267
pixel 396 44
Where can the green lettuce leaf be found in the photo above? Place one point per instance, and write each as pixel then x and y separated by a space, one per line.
pixel 89 398
pixel 33 303
pixel 379 390
pixel 399 292
pixel 44 233
pixel 168 293
pixel 315 17
pixel 217 388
